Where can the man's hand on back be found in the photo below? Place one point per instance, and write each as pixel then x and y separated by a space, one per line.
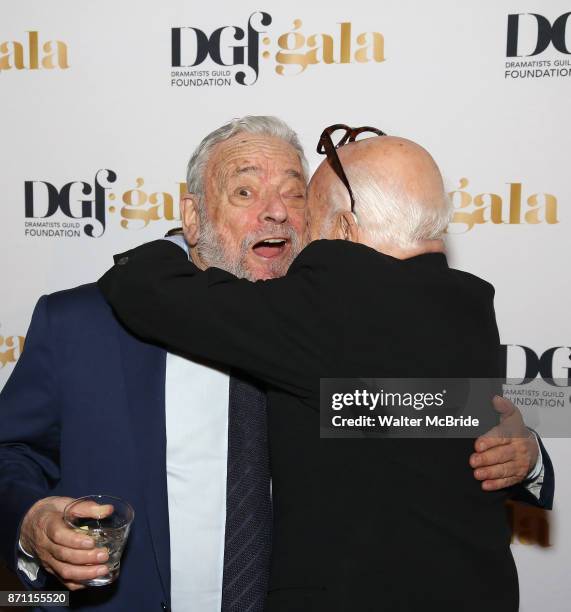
pixel 63 552
pixel 506 454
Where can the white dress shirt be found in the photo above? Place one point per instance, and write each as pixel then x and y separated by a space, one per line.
pixel 197 450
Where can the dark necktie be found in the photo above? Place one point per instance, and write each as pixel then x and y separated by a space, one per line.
pixel 248 504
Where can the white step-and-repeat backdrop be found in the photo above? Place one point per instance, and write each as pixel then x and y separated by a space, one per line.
pixel 103 101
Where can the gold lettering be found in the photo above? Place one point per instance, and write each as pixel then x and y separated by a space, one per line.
pixel 135 198
pixel 515 203
pixel 15 346
pixel 327 49
pixel 297 42
pixel 18 56
pixel 543 208
pixel 322 48
pixel 461 199
pixel 346 43
pixel 495 206
pixel 162 206
pixel 166 201
pixel 47 61
pixel 361 55
pixel 532 216
pixel 34 52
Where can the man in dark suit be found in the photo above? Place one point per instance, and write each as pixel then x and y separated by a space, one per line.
pixel 360 525
pixel 91 409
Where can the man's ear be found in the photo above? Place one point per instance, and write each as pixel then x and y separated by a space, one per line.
pixel 346 226
pixel 190 218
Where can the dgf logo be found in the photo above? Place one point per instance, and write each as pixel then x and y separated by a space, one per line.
pixel 191 46
pixel 232 47
pixel 43 200
pixel 553 365
pixel 544 33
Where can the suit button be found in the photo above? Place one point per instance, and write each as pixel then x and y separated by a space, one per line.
pixel 122 261
pixel 164 607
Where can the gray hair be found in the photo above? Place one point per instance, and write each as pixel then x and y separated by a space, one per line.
pixel 211 246
pixel 251 124
pixel 390 216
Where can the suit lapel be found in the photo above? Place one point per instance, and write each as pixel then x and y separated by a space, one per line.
pixel 144 368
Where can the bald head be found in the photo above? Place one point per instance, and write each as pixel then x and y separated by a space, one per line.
pixel 401 207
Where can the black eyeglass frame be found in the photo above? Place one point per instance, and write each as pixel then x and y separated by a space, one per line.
pixel 327 147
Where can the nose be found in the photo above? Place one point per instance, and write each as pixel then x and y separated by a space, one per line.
pixel 273 210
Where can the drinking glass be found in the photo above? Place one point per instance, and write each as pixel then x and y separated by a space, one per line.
pixel 109 528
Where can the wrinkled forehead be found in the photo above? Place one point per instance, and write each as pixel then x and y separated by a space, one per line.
pixel 257 155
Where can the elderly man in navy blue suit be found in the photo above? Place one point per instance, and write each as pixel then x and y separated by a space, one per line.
pixel 92 409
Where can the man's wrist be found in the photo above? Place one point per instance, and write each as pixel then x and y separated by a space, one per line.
pixel 31 518
pixel 537 469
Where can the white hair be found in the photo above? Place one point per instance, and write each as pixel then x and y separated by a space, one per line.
pixel 250 124
pixel 391 216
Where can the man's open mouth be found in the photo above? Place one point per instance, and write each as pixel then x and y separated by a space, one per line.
pixel 271 247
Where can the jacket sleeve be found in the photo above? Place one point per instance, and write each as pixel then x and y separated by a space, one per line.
pixel 29 434
pixel 262 328
pixel 522 493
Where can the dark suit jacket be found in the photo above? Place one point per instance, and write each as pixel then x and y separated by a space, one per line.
pixel 82 413
pixel 359 525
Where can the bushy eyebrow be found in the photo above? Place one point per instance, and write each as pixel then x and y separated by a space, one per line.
pixel 247 170
pixel 294 173
pixel 256 170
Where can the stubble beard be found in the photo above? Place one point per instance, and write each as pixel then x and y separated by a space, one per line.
pixel 214 250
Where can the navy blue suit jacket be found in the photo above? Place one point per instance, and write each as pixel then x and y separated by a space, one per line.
pixel 83 413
